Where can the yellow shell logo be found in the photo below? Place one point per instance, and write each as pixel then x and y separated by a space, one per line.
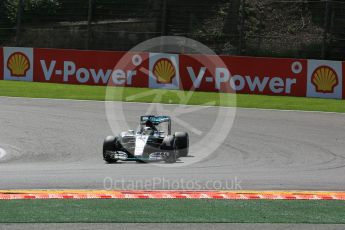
pixel 164 71
pixel 325 79
pixel 18 64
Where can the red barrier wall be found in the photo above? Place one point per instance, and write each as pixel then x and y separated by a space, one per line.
pixel 195 72
pixel 1 63
pixel 343 80
pixel 88 67
pixel 267 76
pixel 210 73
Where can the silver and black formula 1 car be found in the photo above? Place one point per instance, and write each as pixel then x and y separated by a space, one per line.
pixel 152 141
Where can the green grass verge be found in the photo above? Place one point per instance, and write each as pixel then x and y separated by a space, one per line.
pixel 171 211
pixel 82 92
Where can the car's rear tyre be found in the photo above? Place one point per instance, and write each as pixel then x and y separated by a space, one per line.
pixel 169 146
pixel 182 143
pixel 109 145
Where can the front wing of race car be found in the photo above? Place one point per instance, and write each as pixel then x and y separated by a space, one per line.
pixel 123 156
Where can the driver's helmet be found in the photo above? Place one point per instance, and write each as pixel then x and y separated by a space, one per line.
pixel 149 124
pixel 148 130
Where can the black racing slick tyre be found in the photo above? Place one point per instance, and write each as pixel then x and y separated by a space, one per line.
pixel 168 145
pixel 182 143
pixel 109 145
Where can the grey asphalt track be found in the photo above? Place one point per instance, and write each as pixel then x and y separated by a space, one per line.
pixel 56 144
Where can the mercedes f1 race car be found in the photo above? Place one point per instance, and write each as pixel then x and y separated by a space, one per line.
pixel 152 141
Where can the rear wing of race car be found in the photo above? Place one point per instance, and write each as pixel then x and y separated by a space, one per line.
pixel 156 120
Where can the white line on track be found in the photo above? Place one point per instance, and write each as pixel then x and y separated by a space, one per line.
pixel 149 103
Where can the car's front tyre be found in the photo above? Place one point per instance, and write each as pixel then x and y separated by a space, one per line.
pixel 169 147
pixel 109 145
